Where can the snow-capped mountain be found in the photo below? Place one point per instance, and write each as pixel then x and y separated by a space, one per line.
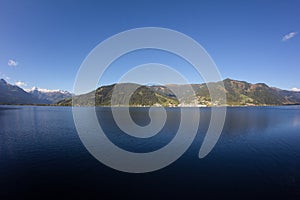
pixel 12 94
pixel 51 96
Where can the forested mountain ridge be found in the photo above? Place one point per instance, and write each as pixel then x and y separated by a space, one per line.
pixel 237 93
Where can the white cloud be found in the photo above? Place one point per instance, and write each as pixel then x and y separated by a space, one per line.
pixel 295 89
pixel 12 63
pixel 20 83
pixel 289 36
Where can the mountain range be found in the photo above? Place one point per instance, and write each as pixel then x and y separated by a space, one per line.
pixel 12 94
pixel 50 96
pixel 237 93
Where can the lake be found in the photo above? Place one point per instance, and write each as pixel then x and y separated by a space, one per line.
pixel 257 155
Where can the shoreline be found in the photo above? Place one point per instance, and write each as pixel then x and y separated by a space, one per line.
pixel 230 106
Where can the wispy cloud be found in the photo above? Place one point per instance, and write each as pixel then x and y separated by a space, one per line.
pixel 295 89
pixel 20 83
pixel 12 63
pixel 289 36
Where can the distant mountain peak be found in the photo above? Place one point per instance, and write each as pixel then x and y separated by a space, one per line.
pixel 228 79
pixel 42 90
pixel 34 88
pixel 46 95
pixel 2 81
pixel 12 94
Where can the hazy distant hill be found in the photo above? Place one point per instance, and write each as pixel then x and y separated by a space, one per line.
pixel 237 92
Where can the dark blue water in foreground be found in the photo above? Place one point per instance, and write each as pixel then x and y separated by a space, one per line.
pixel 257 155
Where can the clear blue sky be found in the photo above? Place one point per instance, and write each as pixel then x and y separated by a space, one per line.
pixel 43 43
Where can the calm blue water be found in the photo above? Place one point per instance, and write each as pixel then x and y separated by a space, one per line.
pixel 258 155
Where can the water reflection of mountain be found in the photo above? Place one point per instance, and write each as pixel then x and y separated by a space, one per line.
pixel 241 120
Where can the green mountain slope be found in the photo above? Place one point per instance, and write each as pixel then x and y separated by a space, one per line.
pixel 237 93
pixel 143 96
